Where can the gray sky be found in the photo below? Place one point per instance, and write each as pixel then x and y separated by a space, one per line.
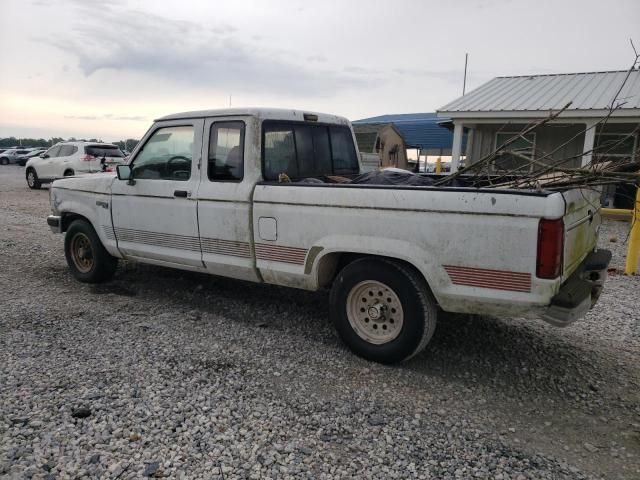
pixel 98 68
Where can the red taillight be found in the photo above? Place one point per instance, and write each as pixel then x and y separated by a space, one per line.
pixel 88 158
pixel 550 248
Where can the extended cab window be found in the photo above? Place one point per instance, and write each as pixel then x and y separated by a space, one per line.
pixel 226 151
pixel 302 150
pixel 167 155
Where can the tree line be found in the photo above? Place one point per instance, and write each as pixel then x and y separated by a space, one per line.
pixel 128 144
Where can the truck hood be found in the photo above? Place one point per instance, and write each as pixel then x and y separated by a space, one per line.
pixel 92 182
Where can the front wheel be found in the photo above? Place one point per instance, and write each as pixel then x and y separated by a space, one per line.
pixel 4 161
pixel 87 258
pixel 382 310
pixel 32 179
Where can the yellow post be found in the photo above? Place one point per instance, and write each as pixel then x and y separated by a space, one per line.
pixel 633 253
pixel 438 165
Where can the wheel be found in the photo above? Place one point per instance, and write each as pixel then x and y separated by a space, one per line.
pixel 4 161
pixel 87 258
pixel 32 179
pixel 68 173
pixel 382 310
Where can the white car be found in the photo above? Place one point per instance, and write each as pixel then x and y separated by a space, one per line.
pixel 66 159
pixel 11 155
pixel 251 194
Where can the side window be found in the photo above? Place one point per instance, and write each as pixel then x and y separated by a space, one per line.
pixel 167 155
pixel 279 152
pixel 226 151
pixel 66 150
pixel 345 159
pixel 53 151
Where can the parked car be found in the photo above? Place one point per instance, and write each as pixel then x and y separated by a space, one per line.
pixel 23 159
pixel 71 158
pixel 11 156
pixel 252 194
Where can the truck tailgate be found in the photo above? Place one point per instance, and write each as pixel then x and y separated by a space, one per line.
pixel 581 222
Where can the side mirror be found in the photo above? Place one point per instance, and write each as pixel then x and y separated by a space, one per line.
pixel 124 172
pixel 44 155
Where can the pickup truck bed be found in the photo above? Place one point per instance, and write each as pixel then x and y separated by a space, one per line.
pixel 393 256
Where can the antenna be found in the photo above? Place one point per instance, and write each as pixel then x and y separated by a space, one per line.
pixel 464 81
pixel 230 100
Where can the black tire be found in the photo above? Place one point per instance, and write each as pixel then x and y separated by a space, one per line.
pixel 4 161
pixel 68 173
pixel 418 307
pixel 87 258
pixel 32 179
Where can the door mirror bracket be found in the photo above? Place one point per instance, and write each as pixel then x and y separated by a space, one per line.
pixel 125 172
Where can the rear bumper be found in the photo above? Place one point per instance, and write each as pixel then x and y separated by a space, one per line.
pixel 55 223
pixel 580 292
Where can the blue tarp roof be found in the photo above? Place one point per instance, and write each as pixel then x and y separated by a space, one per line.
pixel 420 130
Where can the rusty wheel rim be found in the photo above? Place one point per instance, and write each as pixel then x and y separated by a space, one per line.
pixel 82 253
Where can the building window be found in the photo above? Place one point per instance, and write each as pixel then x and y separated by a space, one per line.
pixel 515 157
pixel 615 146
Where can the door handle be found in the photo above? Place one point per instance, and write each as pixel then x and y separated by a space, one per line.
pixel 180 193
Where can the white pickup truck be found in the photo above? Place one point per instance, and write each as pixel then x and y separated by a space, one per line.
pixel 253 194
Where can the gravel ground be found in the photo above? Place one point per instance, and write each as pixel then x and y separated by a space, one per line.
pixel 174 374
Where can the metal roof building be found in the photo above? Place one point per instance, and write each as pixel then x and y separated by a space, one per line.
pixel 423 131
pixel 505 104
pixel 590 94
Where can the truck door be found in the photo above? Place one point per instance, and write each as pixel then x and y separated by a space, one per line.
pixel 230 169
pixel 155 215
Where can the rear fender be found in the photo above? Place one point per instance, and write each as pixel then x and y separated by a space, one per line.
pixel 405 251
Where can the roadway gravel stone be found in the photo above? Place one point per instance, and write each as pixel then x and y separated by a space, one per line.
pixel 189 376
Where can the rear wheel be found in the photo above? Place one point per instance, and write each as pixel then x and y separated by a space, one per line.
pixel 86 256
pixel 32 179
pixel 68 173
pixel 382 310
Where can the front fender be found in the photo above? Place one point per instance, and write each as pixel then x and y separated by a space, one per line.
pixel 94 207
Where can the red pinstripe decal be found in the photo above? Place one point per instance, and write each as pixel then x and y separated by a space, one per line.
pixel 279 253
pixel 488 278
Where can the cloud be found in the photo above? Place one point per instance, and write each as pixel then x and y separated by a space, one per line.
pixel 317 58
pixel 361 71
pixel 184 52
pixel 108 116
pixel 81 117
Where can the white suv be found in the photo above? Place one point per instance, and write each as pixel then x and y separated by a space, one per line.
pixel 71 158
